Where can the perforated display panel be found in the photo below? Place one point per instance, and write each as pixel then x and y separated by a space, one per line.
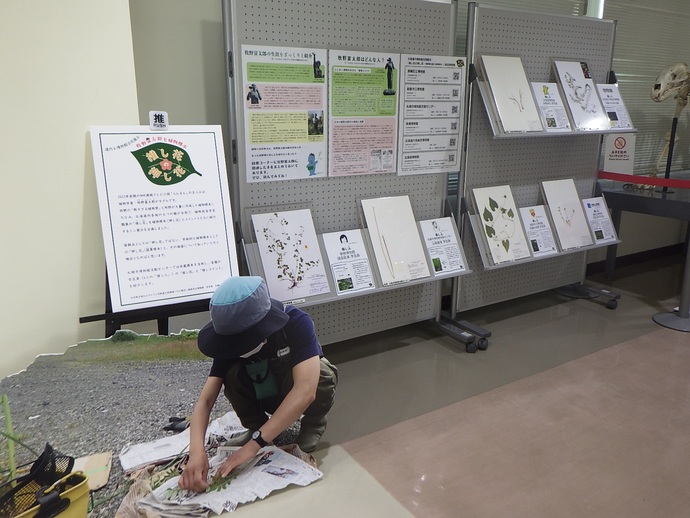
pixel 382 26
pixel 523 162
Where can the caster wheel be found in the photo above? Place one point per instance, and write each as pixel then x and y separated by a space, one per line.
pixel 612 304
pixel 483 344
pixel 471 347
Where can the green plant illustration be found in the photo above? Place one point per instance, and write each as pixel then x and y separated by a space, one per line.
pixel 165 164
pixel 499 221
pixel 286 243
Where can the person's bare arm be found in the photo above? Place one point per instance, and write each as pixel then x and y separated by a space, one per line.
pixel 196 470
pixel 305 376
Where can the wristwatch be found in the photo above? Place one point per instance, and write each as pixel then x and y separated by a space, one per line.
pixel 256 436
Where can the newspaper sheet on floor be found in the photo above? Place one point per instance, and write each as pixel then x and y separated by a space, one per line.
pixel 271 469
pixel 135 456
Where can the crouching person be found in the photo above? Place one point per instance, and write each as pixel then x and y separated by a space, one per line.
pixel 268 361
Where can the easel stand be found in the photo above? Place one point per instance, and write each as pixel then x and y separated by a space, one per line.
pixel 115 320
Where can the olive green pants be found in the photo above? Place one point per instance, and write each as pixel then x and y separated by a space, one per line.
pixel 254 412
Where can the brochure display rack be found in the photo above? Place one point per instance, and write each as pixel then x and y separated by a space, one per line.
pixel 560 96
pixel 524 163
pixel 368 34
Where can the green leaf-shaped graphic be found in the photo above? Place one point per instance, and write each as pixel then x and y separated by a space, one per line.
pixel 492 204
pixel 511 214
pixel 490 232
pixel 165 164
pixel 487 215
pixel 506 244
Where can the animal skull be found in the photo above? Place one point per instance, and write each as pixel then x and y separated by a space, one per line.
pixel 673 81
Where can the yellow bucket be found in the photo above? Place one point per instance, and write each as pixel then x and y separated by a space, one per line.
pixel 69 497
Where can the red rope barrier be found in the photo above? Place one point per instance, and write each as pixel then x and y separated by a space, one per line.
pixel 644 180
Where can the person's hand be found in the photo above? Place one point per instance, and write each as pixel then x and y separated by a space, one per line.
pixel 194 474
pixel 239 457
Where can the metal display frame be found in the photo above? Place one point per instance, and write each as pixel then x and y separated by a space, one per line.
pixel 398 26
pixel 524 161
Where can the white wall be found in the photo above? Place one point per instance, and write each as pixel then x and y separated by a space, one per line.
pixel 63 67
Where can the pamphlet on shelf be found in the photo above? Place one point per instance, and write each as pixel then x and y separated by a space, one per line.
pixel 580 94
pixel 395 239
pixel 443 245
pixel 538 230
pixel 290 254
pixel 554 116
pixel 511 93
pixel 567 214
pixel 501 226
pixel 349 261
pixel 618 115
pixel 599 220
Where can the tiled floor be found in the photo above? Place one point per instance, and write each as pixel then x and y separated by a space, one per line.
pixel 422 428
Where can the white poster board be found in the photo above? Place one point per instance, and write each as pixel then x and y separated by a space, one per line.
pixel 567 213
pixel 512 93
pixel 165 213
pixel 395 239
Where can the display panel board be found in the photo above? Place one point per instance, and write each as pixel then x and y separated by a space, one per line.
pixel 165 213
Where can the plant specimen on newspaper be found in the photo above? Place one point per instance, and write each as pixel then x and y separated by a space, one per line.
pixel 290 254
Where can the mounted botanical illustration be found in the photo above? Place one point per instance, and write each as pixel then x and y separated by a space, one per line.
pixel 512 93
pixel 500 223
pixel 290 254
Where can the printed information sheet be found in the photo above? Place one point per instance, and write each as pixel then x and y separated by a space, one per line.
pixel 599 220
pixel 363 112
pixel 284 105
pixel 443 246
pixel 615 107
pixel 538 230
pixel 553 113
pixel 165 213
pixel 349 261
pixel 429 140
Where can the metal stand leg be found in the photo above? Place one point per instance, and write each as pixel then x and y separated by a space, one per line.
pixel 679 321
pixel 473 336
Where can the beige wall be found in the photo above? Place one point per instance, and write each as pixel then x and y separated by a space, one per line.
pixel 63 67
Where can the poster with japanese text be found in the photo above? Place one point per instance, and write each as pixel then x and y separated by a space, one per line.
pixel 349 261
pixel 363 122
pixel 284 105
pixel 431 101
pixel 290 255
pixel 165 213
